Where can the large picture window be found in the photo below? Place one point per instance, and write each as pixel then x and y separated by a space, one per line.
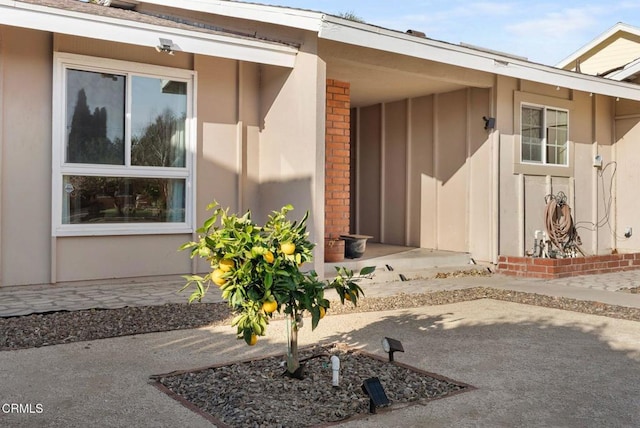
pixel 121 147
pixel 545 135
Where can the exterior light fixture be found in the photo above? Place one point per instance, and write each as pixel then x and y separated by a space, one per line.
pixel 166 46
pixel 390 346
pixel 489 122
pixel 377 397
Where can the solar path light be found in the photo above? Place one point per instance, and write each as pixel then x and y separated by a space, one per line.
pixel 390 346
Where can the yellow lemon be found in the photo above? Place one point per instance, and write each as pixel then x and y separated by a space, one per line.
pixel 323 312
pixel 216 277
pixel 287 248
pixel 268 257
pixel 226 265
pixel 253 340
pixel 269 306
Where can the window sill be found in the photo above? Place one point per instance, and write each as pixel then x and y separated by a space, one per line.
pixel 122 229
pixel 541 169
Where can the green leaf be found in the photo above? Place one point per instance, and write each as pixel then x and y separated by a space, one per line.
pixel 187 245
pixel 208 223
pixel 315 317
pixel 367 270
pixel 236 320
pixel 268 280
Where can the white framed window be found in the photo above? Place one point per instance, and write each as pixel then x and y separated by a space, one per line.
pixel 544 135
pixel 123 139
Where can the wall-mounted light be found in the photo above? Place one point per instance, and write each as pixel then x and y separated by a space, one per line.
pixel 377 397
pixel 489 122
pixel 167 46
pixel 391 345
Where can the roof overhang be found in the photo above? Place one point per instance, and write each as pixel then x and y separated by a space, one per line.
pixel 341 30
pixel 55 20
pixel 361 34
pixel 628 72
pixel 326 26
pixel 278 15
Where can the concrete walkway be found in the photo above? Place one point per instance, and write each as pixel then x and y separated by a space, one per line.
pixel 24 300
pixel 531 366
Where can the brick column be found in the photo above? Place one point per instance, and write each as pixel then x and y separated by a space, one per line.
pixel 337 159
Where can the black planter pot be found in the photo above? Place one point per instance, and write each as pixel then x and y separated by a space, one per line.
pixel 355 245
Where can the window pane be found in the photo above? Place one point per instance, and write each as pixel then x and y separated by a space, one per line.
pixel 95 118
pixel 158 118
pixel 551 154
pixel 557 136
pixel 91 200
pixel 531 134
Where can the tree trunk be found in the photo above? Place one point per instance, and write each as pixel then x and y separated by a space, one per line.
pixel 293 360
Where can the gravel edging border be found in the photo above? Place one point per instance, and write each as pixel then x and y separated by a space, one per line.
pixel 54 328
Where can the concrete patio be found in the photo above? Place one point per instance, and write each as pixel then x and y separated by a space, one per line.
pixel 532 366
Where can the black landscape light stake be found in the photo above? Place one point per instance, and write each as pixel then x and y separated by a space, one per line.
pixel 391 345
pixel 377 397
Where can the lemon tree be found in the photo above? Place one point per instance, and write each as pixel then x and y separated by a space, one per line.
pixel 257 269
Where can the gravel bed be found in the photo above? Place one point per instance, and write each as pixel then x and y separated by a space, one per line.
pixel 54 328
pixel 270 398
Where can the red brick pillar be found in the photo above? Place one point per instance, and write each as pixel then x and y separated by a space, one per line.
pixel 337 159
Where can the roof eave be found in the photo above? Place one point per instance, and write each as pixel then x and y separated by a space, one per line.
pixel 62 21
pixel 343 31
pixel 277 15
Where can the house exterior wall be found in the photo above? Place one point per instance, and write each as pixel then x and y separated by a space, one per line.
pixel 393 173
pixel 369 164
pixel 626 154
pixel 424 172
pixel 25 186
pixel 523 187
pixel 292 147
pixel 615 52
pixel 259 146
pixel 421 178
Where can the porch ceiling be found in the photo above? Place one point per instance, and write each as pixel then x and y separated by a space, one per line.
pixel 377 76
pixel 373 85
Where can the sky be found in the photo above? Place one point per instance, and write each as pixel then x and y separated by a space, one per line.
pixel 542 31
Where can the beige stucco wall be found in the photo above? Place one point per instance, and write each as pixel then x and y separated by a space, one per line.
pixel 368 183
pixel 260 145
pixel 425 172
pixel 25 168
pixel 523 187
pixel 626 154
pixel 291 161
